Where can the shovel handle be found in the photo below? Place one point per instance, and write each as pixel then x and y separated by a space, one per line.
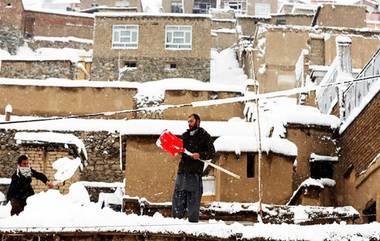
pixel 208 162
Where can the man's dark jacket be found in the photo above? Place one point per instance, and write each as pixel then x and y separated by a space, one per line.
pixel 198 141
pixel 21 188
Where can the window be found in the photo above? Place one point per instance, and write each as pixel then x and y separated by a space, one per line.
pixel 203 6
pixel 281 21
pixel 125 36
pixel 130 64
pixel 250 164
pixel 237 6
pixel 170 66
pixel 178 37
pixel 262 9
pixel 177 6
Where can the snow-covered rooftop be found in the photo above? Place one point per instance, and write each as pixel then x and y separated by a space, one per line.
pixel 150 14
pixel 24 53
pixel 240 144
pixel 131 127
pixel 152 87
pixel 51 137
pixel 152 6
pixel 63 39
pixel 314 158
pixel 37 6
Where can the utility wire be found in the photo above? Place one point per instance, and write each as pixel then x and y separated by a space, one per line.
pixel 268 95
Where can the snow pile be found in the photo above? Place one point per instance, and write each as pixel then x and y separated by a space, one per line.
pixel 5 181
pixel 314 157
pixel 24 53
pixel 240 144
pixel 42 215
pixel 50 137
pixel 66 168
pixel 2 197
pixel 50 7
pixel 277 113
pixel 103 184
pixel 225 68
pixel 152 6
pixel 321 183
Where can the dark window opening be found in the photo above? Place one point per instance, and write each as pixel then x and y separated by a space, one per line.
pixel 8 3
pixel 129 64
pixel 170 66
pixel 321 169
pixel 250 164
pixel 370 212
pixel 281 21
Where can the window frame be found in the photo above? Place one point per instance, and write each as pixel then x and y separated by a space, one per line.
pixel 169 45
pixel 134 45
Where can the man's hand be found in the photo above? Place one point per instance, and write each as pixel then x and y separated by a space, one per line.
pixel 196 156
pixel 50 184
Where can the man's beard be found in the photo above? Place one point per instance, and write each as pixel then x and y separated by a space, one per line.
pixel 25 171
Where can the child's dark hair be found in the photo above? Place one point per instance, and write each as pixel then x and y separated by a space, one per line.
pixel 22 158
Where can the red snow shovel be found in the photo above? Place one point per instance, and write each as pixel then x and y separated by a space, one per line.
pixel 174 145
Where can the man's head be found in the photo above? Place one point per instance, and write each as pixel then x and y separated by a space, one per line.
pixel 23 161
pixel 193 121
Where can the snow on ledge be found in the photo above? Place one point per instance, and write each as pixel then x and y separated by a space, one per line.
pixel 148 14
pixel 50 137
pixel 224 30
pixel 131 127
pixel 64 39
pixel 151 86
pixel 321 183
pixel 5 181
pixel 240 144
pixel 102 184
pixel 314 157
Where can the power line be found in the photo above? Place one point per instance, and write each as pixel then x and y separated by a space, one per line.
pixel 231 100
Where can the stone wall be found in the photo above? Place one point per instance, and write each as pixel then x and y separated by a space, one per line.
pixel 150 69
pixel 37 69
pixel 10 39
pixel 35 44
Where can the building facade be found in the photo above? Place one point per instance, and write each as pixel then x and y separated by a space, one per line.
pixel 141 47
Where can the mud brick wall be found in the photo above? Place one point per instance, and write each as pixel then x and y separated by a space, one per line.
pixel 359 143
